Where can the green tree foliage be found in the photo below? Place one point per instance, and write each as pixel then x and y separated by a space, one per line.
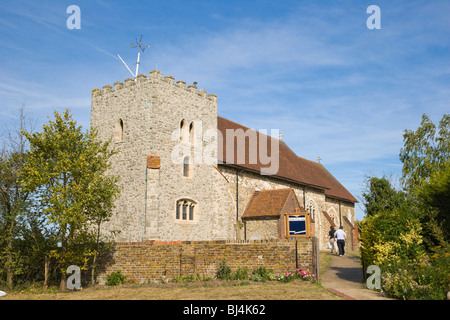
pixel 381 196
pixel 425 151
pixel 66 169
pixel 15 203
pixel 13 209
pixel 434 199
pixel 426 158
pixel 391 236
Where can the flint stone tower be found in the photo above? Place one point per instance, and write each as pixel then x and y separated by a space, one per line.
pixel 163 198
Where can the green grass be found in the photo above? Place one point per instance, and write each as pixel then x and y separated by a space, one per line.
pixel 198 290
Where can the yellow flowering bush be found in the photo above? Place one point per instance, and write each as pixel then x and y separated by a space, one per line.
pixel 385 252
pixel 393 241
pixel 426 279
pixel 391 236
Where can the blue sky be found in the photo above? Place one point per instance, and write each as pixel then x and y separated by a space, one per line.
pixel 311 69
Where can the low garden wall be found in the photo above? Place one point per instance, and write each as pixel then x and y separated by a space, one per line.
pixel 153 261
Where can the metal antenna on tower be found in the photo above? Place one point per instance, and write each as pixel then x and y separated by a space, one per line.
pixel 141 48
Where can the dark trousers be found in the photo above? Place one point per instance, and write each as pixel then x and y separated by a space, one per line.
pixel 341 245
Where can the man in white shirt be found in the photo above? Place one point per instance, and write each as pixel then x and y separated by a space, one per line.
pixel 341 236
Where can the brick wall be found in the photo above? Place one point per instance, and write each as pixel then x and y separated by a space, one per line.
pixel 150 261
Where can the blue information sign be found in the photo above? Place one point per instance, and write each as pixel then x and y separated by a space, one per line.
pixel 297 225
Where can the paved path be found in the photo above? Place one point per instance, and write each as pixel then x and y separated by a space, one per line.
pixel 344 276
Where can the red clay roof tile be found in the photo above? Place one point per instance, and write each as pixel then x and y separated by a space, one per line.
pixel 266 203
pixel 291 167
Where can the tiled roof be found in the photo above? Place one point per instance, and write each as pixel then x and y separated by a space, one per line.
pixel 267 203
pixel 291 167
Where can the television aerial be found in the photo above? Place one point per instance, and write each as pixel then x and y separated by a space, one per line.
pixel 140 47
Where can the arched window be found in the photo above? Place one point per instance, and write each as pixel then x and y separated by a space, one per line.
pixel 177 216
pixel 185 209
pixel 184 131
pixel 186 167
pixel 311 208
pixel 191 133
pixel 118 131
pixel 333 215
pixel 185 206
pixel 191 211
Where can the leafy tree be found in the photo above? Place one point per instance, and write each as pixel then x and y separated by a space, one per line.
pixel 34 242
pixel 67 170
pixel 13 205
pixel 434 199
pixel 381 196
pixel 426 158
pixel 425 151
pixel 14 201
pixel 102 198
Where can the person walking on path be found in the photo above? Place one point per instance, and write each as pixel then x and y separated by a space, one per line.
pixel 331 240
pixel 341 237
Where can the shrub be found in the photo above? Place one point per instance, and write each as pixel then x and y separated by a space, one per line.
pixel 393 240
pixel 224 271
pixel 240 274
pixel 262 275
pixel 115 279
pixel 390 237
pixel 439 270
pixel 297 274
pixel 428 279
pixel 302 274
pixel 285 278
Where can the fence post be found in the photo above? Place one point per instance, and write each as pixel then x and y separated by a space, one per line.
pixel 315 257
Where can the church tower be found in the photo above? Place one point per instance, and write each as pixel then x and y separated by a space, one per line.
pixel 165 134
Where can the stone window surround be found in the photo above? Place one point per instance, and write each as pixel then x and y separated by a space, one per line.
pixel 312 208
pixel 187 135
pixel 333 215
pixel 191 216
pixel 118 131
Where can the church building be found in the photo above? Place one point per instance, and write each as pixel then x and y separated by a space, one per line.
pixel 188 174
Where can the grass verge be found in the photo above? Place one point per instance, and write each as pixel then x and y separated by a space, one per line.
pixel 211 290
